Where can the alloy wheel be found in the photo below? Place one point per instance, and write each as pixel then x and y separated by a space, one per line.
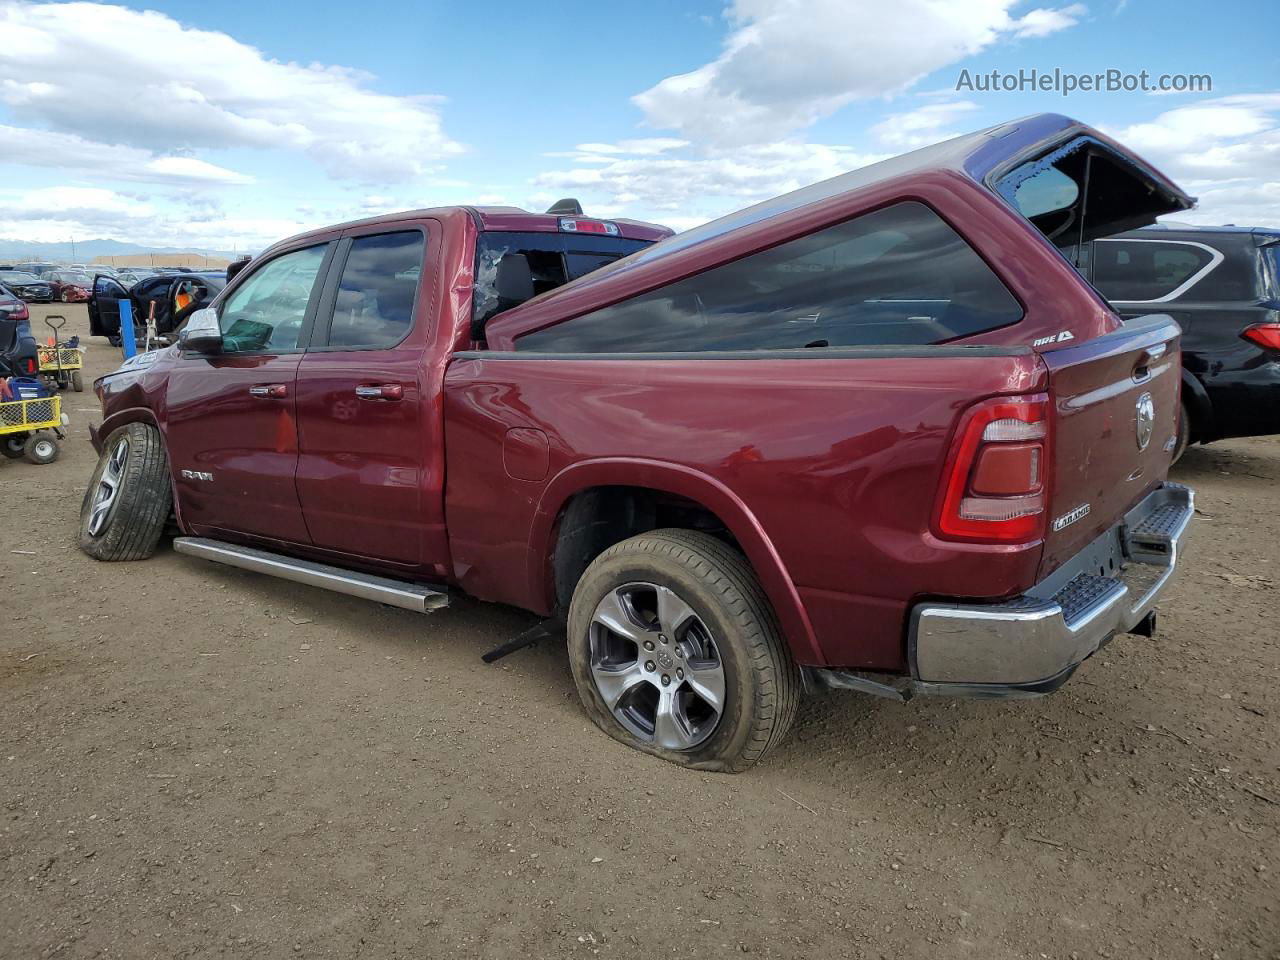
pixel 656 666
pixel 104 498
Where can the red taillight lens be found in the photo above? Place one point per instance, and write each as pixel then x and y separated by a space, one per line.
pixel 578 225
pixel 994 484
pixel 31 365
pixel 1265 335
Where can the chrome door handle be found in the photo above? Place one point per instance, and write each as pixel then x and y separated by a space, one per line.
pixel 270 391
pixel 380 391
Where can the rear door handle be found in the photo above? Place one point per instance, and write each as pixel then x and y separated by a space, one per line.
pixel 380 391
pixel 270 391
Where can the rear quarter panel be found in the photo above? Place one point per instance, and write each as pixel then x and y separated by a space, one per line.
pixel 836 461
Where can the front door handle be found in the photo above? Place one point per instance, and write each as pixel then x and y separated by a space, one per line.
pixel 380 391
pixel 270 391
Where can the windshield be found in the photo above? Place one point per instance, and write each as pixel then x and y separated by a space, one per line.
pixel 14 276
pixel 553 258
pixel 80 278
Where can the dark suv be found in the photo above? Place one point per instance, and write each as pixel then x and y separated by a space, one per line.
pixel 1222 284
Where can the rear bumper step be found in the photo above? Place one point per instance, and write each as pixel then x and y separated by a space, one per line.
pixel 395 593
pixel 1030 645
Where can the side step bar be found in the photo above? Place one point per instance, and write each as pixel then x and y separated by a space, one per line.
pixel 395 593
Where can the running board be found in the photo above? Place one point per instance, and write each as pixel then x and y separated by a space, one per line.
pixel 395 593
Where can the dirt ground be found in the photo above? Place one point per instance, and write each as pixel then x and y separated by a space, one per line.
pixel 195 761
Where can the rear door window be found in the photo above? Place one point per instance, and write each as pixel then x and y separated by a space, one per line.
pixel 1145 271
pixel 373 306
pixel 554 259
pixel 897 276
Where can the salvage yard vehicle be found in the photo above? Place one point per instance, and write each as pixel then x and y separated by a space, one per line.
pixel 69 286
pixel 167 299
pixel 1222 285
pixel 28 286
pixel 877 434
pixel 19 355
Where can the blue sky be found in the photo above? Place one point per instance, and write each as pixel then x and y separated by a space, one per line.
pixel 233 124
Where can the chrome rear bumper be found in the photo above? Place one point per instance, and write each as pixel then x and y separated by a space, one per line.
pixel 1031 644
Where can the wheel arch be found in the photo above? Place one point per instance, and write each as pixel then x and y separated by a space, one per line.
pixel 673 480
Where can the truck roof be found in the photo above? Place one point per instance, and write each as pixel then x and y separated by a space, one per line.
pixel 496 219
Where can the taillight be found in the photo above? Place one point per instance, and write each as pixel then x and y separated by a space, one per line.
pixel 1265 335
pixel 994 486
pixel 31 365
pixel 579 225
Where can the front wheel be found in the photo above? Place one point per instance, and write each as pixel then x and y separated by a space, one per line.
pixel 77 381
pixel 128 500
pixel 675 651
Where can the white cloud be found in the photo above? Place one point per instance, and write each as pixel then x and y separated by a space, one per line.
pixel 104 161
pixel 682 185
pixel 921 127
pixel 788 63
pixel 1225 150
pixel 141 79
pixel 58 213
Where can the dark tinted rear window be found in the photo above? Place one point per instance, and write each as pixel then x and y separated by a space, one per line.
pixel 554 258
pixel 897 276
pixel 1139 270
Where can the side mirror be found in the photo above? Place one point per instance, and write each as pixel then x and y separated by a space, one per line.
pixel 201 334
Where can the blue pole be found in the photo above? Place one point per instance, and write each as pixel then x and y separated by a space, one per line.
pixel 126 329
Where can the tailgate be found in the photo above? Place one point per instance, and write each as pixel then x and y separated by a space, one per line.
pixel 1106 393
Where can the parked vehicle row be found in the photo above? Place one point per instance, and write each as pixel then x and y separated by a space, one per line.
pixel 877 434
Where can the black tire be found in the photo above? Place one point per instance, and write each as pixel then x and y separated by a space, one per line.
pixel 12 445
pixel 77 381
pixel 130 528
pixel 40 449
pixel 761 680
pixel 1184 432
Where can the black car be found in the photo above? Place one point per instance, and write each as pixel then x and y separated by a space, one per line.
pixel 27 286
pixel 172 297
pixel 1222 284
pixel 18 355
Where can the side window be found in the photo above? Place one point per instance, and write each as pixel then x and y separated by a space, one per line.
pixel 897 276
pixel 374 303
pixel 1138 270
pixel 267 311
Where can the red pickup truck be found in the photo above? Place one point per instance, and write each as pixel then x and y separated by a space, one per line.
pixel 876 434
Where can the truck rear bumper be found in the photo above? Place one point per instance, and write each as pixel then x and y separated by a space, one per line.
pixel 1030 645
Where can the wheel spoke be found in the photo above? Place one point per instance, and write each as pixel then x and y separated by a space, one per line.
pixel 706 679
pixel 108 487
pixel 614 682
pixel 672 612
pixel 614 613
pixel 670 726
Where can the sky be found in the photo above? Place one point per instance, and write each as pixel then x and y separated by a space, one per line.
pixel 231 125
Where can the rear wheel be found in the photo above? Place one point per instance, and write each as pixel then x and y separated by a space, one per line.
pixel 1184 432
pixel 40 449
pixel 675 651
pixel 77 381
pixel 128 500
pixel 13 445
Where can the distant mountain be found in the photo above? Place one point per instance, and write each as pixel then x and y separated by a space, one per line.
pixel 84 251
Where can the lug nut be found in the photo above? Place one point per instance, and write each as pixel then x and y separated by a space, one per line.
pixel 648 665
pixel 679 653
pixel 680 672
pixel 662 638
pixel 648 644
pixel 666 680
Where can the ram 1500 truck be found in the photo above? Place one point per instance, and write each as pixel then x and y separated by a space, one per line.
pixel 876 434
